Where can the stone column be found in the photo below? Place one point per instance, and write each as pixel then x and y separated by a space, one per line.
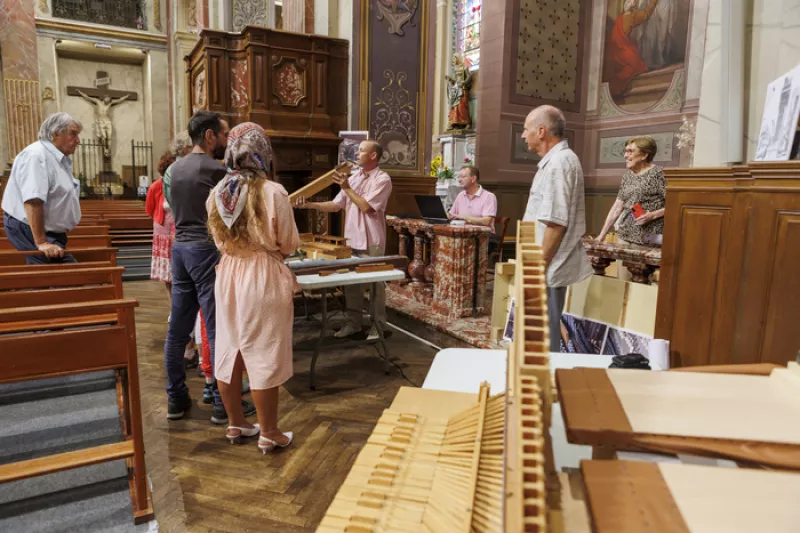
pixel 460 289
pixel 430 240
pixel 298 15
pixel 20 59
pixel 417 267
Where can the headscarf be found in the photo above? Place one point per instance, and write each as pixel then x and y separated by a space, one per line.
pixel 249 152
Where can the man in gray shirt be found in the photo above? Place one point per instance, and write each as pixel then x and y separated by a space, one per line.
pixel 194 257
pixel 556 203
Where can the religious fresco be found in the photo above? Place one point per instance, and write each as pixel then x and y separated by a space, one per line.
pixel 645 48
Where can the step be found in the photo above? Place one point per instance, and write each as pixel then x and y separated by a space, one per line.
pixel 104 506
pixel 55 425
pixel 40 389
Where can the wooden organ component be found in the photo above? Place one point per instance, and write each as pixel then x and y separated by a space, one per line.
pixel 483 469
pixel 319 184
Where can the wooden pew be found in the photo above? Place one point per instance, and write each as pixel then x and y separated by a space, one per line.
pixel 81 241
pixel 104 254
pixel 33 287
pixel 80 350
pixel 78 231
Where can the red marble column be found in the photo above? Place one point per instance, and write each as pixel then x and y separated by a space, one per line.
pixel 417 267
pixel 298 16
pixel 430 269
pixel 459 290
pixel 20 58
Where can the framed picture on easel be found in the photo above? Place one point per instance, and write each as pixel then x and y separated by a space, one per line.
pixel 780 119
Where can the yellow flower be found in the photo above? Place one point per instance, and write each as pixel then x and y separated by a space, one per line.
pixel 433 173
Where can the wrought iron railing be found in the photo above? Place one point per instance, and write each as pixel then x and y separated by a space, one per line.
pixel 142 161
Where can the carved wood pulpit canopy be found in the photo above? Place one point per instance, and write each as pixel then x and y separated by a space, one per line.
pixel 294 85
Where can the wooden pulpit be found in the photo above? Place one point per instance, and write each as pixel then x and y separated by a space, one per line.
pixel 729 290
pixel 294 85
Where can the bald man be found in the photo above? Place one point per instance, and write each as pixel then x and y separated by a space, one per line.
pixel 556 204
pixel 364 197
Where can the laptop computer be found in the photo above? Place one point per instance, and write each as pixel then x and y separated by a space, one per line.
pixel 431 209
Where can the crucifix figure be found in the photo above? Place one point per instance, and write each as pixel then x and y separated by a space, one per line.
pixel 103 99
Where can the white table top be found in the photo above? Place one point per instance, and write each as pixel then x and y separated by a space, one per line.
pixel 463 369
pixel 315 281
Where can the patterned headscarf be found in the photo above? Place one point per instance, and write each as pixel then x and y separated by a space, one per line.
pixel 248 152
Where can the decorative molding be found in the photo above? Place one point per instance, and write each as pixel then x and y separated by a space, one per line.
pixel 673 99
pixel 44 8
pixel 394 122
pixel 610 149
pixel 396 18
pixel 69 29
pixel 157 15
pixel 289 81
pixel 23 113
pixel 608 108
pixel 249 12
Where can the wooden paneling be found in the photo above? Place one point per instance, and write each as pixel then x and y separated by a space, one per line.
pixel 729 285
pixel 402 201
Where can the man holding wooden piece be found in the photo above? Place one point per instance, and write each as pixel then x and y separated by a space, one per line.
pixel 364 197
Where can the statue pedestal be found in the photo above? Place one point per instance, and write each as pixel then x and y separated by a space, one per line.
pixel 456 147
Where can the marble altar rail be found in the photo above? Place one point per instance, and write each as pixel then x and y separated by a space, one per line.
pixel 448 265
pixel 642 263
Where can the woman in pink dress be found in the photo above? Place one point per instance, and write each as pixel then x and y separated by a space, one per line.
pixel 252 223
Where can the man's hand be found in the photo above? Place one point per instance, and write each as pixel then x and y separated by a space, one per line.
pixel 51 251
pixel 300 203
pixel 451 216
pixel 645 219
pixel 341 180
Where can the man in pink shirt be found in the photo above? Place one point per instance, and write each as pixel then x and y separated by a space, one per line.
pixel 364 197
pixel 474 205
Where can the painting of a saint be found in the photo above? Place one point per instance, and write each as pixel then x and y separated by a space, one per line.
pixel 645 45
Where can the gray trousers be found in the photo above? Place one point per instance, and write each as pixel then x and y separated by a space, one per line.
pixel 556 296
pixel 354 294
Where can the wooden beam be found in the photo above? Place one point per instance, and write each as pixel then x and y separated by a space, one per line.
pixel 319 184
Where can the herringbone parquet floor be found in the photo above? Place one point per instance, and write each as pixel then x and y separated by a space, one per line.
pixel 203 484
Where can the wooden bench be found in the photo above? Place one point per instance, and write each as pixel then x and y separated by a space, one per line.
pixel 77 231
pixel 81 241
pixel 80 350
pixel 34 286
pixel 25 289
pixel 104 254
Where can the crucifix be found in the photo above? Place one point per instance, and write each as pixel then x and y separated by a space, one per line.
pixel 103 99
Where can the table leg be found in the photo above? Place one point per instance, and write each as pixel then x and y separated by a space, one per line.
pixel 324 326
pixel 373 311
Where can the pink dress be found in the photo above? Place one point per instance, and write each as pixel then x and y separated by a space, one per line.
pixel 255 297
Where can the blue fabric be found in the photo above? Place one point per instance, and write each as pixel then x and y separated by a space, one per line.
pixel 20 236
pixel 193 276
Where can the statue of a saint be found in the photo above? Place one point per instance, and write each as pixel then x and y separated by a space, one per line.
pixel 102 117
pixel 458 95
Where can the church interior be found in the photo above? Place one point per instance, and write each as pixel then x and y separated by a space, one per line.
pixel 399 265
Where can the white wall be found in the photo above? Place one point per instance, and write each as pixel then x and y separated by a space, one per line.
pixel 772 48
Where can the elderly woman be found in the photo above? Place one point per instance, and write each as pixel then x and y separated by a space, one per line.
pixel 642 185
pixel 252 222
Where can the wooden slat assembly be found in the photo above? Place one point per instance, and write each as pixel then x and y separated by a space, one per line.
pixel 484 469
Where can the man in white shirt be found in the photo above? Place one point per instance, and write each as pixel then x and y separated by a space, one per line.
pixel 557 204
pixel 41 202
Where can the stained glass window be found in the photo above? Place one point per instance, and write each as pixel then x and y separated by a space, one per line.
pixel 468 31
